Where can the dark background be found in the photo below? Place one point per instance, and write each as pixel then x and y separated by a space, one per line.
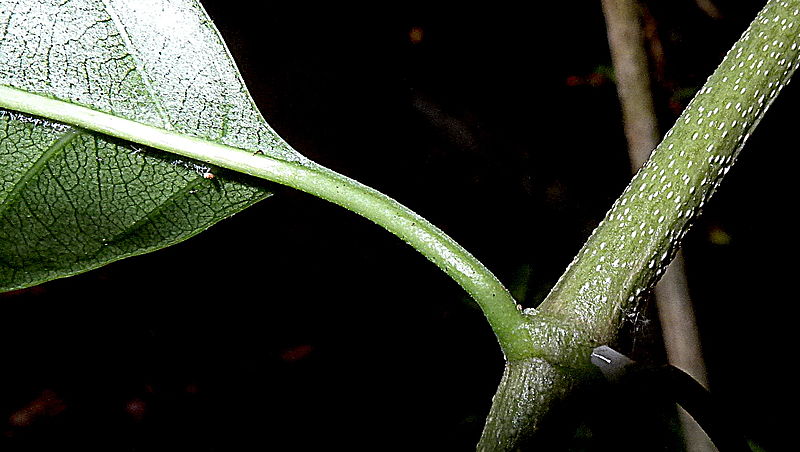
pixel 299 325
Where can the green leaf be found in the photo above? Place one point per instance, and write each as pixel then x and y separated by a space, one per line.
pixel 73 200
pixel 156 73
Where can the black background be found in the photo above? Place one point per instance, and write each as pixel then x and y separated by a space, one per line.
pixel 298 325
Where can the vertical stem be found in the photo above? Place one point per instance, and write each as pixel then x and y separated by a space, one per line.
pixel 627 45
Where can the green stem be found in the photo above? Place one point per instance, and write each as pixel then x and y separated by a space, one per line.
pixel 496 302
pixel 627 253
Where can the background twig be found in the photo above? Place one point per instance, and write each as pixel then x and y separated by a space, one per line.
pixel 679 329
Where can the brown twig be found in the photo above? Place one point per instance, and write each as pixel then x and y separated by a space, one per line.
pixel 627 44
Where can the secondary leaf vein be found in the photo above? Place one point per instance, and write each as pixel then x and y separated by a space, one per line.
pixel 55 149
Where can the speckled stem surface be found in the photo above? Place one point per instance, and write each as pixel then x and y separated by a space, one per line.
pixel 517 411
pixel 629 250
pixel 631 247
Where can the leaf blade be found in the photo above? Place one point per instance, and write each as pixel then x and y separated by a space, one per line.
pixel 98 200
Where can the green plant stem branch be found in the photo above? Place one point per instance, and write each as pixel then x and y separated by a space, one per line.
pixel 628 252
pixel 496 302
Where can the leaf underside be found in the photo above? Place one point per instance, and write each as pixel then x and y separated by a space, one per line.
pixel 73 200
